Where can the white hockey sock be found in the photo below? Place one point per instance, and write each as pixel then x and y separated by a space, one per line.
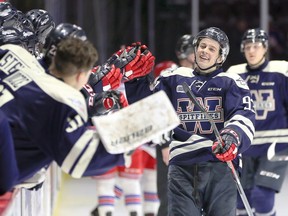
pixel 151 201
pixel 106 195
pixel 133 195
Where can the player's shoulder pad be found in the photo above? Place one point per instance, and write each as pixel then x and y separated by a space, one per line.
pixel 236 78
pixel 182 71
pixel 278 66
pixel 240 68
pixel 31 69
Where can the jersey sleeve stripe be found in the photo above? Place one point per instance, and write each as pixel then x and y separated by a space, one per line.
pixel 194 143
pixel 76 151
pixel 247 126
pixel 85 159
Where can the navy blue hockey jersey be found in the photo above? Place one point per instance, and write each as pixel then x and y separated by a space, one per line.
pixel 269 87
pixel 48 119
pixel 8 166
pixel 226 98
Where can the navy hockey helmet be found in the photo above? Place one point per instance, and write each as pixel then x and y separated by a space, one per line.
pixel 26 23
pixel 10 35
pixel 254 35
pixel 59 33
pixel 9 16
pixel 216 34
pixel 184 46
pixel 42 22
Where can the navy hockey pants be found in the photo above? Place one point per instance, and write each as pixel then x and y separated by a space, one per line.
pixel 201 189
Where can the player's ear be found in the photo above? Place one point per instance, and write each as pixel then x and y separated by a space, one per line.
pixel 219 59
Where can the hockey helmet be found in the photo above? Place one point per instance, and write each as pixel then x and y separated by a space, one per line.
pixel 59 33
pixel 42 22
pixel 9 16
pixel 10 35
pixel 26 23
pixel 216 34
pixel 254 35
pixel 184 46
pixel 160 67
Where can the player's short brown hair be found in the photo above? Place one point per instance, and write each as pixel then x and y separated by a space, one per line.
pixel 73 55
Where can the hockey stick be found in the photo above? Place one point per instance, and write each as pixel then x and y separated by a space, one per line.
pixel 271 155
pixel 192 97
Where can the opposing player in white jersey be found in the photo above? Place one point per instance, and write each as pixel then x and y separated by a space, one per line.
pixel 140 198
pixel 268 83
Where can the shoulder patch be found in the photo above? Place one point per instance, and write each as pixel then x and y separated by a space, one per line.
pixel 237 79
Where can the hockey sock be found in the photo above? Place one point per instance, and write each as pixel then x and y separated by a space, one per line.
pixel 263 201
pixel 106 196
pixel 133 195
pixel 151 201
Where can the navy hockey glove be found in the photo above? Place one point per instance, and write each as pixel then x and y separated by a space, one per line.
pixel 141 65
pixel 227 150
pixel 105 102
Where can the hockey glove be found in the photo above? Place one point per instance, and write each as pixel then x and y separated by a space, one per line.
pixel 141 65
pixel 111 76
pixel 105 102
pixel 227 150
pixel 110 70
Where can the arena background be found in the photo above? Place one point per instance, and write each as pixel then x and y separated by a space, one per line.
pixel 159 23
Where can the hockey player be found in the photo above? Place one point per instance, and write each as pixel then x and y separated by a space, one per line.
pixel 268 83
pixel 48 114
pixel 185 52
pixel 198 180
pixel 139 199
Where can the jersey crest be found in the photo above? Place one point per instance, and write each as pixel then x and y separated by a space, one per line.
pixel 192 119
pixel 264 102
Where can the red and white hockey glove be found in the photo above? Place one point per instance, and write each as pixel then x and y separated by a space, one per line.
pixel 112 76
pixel 227 150
pixel 110 71
pixel 105 102
pixel 141 65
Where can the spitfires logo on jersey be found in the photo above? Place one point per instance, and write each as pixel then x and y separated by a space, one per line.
pixel 192 119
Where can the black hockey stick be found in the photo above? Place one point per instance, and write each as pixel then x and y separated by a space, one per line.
pixel 272 156
pixel 192 97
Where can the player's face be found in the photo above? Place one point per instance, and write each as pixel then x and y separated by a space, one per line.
pixel 207 53
pixel 254 53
